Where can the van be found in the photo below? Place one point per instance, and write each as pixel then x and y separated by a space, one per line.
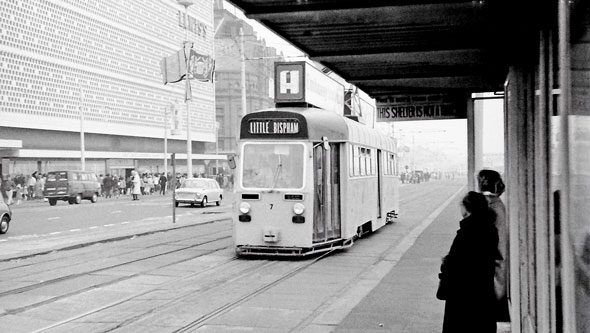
pixel 71 186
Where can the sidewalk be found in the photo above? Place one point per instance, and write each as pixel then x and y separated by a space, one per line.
pixel 404 300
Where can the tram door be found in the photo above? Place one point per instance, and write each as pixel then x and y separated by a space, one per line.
pixel 326 166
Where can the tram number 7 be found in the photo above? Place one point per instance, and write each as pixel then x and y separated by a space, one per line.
pixel 271 205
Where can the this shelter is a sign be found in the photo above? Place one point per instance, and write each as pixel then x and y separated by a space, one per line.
pixel 421 107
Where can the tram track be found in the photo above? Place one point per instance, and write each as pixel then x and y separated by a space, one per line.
pixel 229 306
pixel 76 275
pixel 222 285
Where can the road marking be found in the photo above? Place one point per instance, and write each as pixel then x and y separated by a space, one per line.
pixel 108 225
pixel 115 211
pixel 55 233
pixel 74 230
pixel 3 240
pixel 124 222
pixel 54 218
pixel 93 228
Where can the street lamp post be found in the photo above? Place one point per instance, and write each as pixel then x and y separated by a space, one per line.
pixel 243 73
pixel 166 141
pixel 189 156
pixel 217 147
pixel 82 144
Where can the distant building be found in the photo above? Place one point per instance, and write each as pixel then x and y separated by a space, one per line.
pixel 60 57
pixel 259 66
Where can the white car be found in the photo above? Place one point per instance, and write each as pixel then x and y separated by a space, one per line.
pixel 198 191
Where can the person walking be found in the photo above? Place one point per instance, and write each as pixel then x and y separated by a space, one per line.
pixel 163 180
pixel 491 185
pixel 135 187
pixel 467 271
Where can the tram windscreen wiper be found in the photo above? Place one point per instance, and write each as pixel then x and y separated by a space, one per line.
pixel 277 173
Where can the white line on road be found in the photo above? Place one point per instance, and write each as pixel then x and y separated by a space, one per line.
pixel 3 240
pixel 54 218
pixel 108 225
pixel 74 230
pixel 124 222
pixel 93 228
pixel 115 211
pixel 55 233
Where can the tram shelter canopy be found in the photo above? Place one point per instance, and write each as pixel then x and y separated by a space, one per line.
pixel 388 47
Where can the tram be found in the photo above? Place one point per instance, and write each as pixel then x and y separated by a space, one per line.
pixel 309 179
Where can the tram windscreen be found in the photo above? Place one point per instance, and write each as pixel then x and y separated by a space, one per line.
pixel 273 166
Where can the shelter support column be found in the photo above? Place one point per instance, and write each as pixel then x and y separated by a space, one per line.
pixel 474 141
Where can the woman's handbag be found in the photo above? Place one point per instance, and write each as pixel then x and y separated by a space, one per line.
pixel 442 292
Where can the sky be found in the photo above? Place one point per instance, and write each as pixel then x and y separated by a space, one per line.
pixel 270 37
pixel 441 132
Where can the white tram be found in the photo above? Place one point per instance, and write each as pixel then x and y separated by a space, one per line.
pixel 310 180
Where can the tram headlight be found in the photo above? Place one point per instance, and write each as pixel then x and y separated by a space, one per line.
pixel 245 208
pixel 298 208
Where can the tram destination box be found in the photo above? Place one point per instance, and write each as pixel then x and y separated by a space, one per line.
pixel 299 83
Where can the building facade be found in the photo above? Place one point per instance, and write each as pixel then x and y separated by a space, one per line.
pixel 81 86
pixel 259 69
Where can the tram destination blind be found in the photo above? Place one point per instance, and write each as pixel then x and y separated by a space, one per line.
pixel 273 126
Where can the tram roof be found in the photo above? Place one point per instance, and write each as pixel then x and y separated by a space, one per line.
pixel 388 47
pixel 337 128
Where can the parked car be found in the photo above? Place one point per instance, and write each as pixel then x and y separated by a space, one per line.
pixel 5 216
pixel 198 191
pixel 71 186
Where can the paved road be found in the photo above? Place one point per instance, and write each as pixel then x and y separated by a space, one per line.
pixel 37 219
pixel 186 277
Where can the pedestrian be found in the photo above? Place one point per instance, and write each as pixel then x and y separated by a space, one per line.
pixel 467 271
pixel 163 180
pixel 142 182
pixel 19 194
pixel 107 185
pixel 39 186
pixel 8 188
pixel 150 184
pixel 491 185
pixel 135 187
pixel 121 184
pixel 31 186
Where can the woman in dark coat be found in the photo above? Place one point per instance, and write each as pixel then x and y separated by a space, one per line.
pixel 468 270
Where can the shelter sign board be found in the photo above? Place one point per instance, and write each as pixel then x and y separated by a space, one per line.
pixel 299 82
pixel 421 107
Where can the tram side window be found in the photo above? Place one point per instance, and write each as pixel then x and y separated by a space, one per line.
pixel 351 161
pixel 370 169
pixel 392 165
pixel 357 161
pixel 363 161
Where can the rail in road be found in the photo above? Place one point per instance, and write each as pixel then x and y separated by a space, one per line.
pixel 188 278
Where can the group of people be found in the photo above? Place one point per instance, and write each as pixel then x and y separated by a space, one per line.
pixel 20 187
pixel 148 184
pixel 474 274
